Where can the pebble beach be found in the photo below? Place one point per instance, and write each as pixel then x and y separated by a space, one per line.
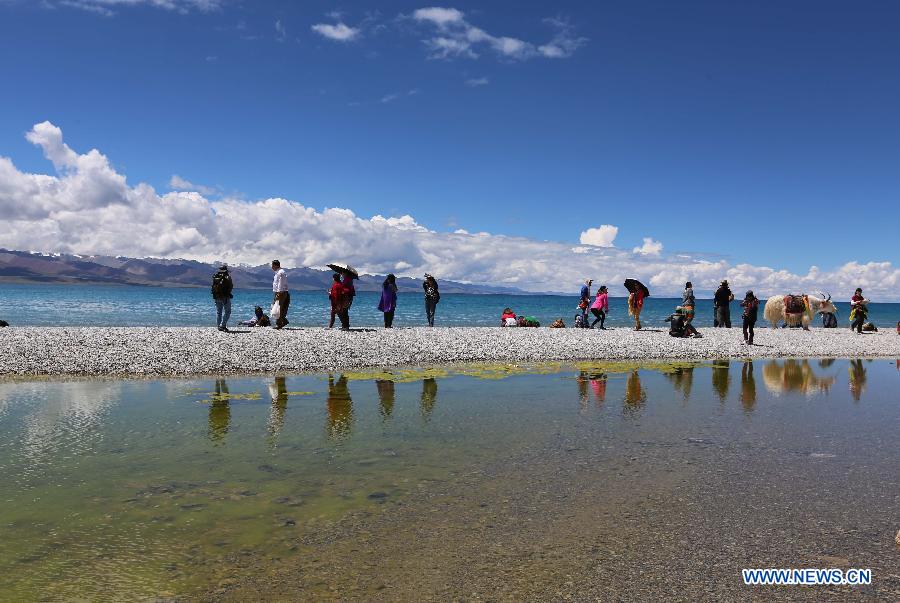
pixel 145 351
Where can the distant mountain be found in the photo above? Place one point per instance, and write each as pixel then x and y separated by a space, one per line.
pixel 26 267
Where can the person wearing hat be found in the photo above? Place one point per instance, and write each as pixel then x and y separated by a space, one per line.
pixel 858 310
pixel 722 300
pixel 221 292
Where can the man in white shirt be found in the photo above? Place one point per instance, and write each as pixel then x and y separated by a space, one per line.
pixel 281 294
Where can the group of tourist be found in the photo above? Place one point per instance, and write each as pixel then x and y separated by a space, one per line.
pixel 342 292
pixel 340 295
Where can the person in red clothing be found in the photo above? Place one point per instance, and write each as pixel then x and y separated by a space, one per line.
pixel 340 303
pixel 508 315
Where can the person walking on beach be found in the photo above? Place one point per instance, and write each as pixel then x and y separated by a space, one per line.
pixel 340 302
pixel 751 310
pixel 388 301
pixel 280 294
pixel 858 310
pixel 221 292
pixel 688 302
pixel 432 297
pixel 722 300
pixel 600 307
pixel 584 301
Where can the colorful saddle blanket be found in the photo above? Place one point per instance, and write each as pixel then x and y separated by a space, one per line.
pixel 794 304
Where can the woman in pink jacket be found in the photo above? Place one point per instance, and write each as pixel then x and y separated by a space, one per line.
pixel 600 307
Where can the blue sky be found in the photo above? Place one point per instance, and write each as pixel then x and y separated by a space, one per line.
pixel 763 134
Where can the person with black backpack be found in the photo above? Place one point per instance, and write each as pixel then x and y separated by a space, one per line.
pixel 221 292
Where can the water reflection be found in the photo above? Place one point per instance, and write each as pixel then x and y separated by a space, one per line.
pixel 748 386
pixel 794 376
pixel 635 396
pixel 340 408
pixel 385 397
pixel 682 380
pixel 278 393
pixel 857 378
pixel 721 378
pixel 429 398
pixel 591 382
pixel 219 413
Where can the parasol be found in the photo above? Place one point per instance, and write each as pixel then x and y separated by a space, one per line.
pixel 344 269
pixel 633 285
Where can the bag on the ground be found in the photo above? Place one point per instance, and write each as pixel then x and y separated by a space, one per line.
pixel 579 321
pixel 558 324
pixel 829 320
pixel 275 312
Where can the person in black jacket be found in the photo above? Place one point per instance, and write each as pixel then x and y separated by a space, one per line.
pixel 221 292
pixel 722 301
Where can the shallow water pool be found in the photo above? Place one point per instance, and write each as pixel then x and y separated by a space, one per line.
pixel 136 489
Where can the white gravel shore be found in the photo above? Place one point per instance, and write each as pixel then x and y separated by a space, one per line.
pixel 141 351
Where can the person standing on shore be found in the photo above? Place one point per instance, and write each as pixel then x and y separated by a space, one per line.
pixel 280 294
pixel 688 302
pixel 722 300
pixel 751 310
pixel 432 297
pixel 388 301
pixel 340 302
pixel 600 307
pixel 585 301
pixel 221 292
pixel 858 310
pixel 635 305
pixel 335 302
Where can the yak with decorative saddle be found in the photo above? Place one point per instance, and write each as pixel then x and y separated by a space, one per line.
pixel 795 304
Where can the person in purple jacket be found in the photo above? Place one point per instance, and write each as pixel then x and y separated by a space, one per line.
pixel 388 301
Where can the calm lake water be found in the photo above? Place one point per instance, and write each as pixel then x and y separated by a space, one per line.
pixel 133 489
pixel 83 305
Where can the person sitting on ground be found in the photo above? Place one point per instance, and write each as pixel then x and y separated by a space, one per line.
pixel 520 321
pixel 679 326
pixel 508 318
pixel 260 320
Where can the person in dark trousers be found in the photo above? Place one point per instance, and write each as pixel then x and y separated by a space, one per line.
pixel 858 310
pixel 388 303
pixel 751 310
pixel 280 293
pixel 584 301
pixel 688 302
pixel 340 301
pixel 432 297
pixel 221 292
pixel 335 303
pixel 722 300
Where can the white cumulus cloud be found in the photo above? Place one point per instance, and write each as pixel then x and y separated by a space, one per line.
pixel 650 247
pixel 602 236
pixel 87 207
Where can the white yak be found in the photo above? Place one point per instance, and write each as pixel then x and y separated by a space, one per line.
pixel 800 311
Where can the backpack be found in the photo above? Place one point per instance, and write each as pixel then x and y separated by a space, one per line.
pixel 579 321
pixel 220 285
